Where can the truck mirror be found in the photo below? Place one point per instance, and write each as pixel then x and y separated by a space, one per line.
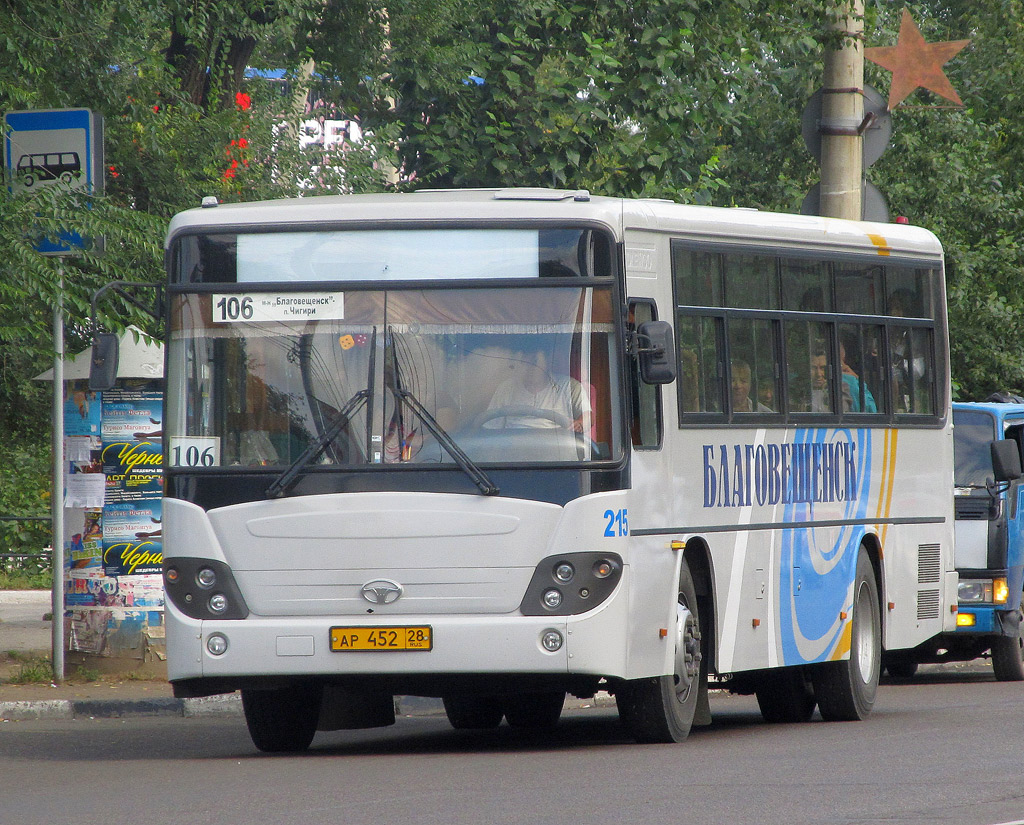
pixel 657 352
pixel 1006 460
pixel 103 362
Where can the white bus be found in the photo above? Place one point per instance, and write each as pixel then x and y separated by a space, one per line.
pixel 499 446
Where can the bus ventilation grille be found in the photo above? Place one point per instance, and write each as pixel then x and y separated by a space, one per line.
pixel 927 604
pixel 929 564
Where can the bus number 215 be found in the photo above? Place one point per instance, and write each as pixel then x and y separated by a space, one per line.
pixel 616 523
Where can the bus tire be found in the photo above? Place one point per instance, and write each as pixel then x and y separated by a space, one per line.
pixel 845 690
pixel 1008 653
pixel 661 708
pixel 473 712
pixel 785 695
pixel 534 711
pixel 283 719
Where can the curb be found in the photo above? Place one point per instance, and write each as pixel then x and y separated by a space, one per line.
pixel 228 705
pixel 210 706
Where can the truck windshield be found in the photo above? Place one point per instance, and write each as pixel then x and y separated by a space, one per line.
pixel 973 433
pixel 524 374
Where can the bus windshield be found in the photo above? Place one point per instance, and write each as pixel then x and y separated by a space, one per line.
pixel 511 375
pixel 973 433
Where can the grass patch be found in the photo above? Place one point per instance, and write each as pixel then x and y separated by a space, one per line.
pixel 34 670
pixel 21 579
pixel 85 674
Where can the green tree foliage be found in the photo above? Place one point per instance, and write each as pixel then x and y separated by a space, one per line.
pixel 623 97
pixel 957 172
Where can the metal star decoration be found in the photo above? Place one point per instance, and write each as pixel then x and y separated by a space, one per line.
pixel 916 64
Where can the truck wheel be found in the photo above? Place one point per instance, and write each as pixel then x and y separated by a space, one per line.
pixel 534 711
pixel 661 708
pixel 473 712
pixel 1008 653
pixel 785 695
pixel 283 719
pixel 846 690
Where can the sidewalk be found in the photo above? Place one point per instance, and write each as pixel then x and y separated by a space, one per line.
pixel 25 635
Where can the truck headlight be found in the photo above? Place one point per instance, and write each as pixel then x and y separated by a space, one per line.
pixel 975 591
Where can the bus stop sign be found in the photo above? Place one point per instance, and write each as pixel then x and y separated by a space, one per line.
pixel 54 147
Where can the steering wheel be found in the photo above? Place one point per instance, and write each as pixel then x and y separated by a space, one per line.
pixel 518 410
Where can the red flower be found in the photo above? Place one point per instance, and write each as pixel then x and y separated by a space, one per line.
pixel 243 101
pixel 113 172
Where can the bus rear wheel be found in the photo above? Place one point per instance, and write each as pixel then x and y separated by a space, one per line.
pixel 661 708
pixel 283 719
pixel 845 690
pixel 1008 653
pixel 785 695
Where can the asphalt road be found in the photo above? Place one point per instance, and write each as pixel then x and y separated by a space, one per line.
pixel 945 749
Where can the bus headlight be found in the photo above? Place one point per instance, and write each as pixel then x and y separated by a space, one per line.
pixel 187 585
pixel 552 598
pixel 594 577
pixel 217 644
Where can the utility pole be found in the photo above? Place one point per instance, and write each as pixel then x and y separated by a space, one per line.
pixel 842 120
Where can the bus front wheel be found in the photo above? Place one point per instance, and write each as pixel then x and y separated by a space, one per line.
pixel 661 708
pixel 845 690
pixel 283 719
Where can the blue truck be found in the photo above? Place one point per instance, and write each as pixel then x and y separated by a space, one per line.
pixel 988 447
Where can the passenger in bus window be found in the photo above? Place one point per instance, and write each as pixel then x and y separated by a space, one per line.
pixel 532 389
pixel 853 385
pixel 820 400
pixel 741 383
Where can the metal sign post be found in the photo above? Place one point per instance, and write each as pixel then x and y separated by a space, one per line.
pixel 44 148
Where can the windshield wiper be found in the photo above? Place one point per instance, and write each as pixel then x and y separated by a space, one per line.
pixel 468 466
pixel 283 483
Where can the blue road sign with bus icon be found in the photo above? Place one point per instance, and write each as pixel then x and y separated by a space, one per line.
pixel 54 147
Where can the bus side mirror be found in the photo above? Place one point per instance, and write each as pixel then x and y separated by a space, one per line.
pixel 1006 460
pixel 103 362
pixel 656 350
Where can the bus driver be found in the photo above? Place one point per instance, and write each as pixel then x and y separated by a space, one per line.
pixel 532 386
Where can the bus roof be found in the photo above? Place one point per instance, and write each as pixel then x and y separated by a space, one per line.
pixel 698 223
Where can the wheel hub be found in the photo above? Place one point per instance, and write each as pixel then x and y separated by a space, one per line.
pixel 688 655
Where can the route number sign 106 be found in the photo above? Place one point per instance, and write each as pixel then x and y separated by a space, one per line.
pixel 194 451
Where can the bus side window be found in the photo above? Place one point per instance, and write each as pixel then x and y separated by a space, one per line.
pixel 700 364
pixel 858 352
pixel 810 371
pixel 912 370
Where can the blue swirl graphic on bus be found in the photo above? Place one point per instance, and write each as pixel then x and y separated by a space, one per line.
pixel 817 564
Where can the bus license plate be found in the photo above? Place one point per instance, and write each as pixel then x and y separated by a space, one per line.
pixel 344 639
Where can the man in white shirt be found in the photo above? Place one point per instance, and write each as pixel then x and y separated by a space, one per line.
pixel 532 387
